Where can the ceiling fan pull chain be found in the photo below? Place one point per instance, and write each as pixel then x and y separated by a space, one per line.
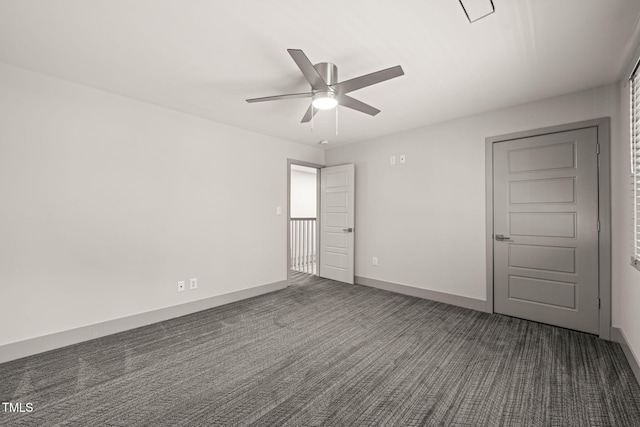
pixel 336 120
pixel 311 117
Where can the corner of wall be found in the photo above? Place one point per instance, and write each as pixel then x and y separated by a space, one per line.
pixel 617 335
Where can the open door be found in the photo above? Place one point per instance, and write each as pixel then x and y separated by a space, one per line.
pixel 337 217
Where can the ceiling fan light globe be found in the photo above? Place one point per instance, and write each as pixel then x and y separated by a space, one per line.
pixel 324 101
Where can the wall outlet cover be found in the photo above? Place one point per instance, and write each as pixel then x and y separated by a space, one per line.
pixel 193 283
pixel 181 286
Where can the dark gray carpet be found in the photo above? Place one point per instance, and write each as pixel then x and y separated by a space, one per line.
pixel 325 353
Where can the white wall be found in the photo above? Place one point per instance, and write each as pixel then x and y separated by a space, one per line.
pixel 425 219
pixel 107 202
pixel 303 193
pixel 626 279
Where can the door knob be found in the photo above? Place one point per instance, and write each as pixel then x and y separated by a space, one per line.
pixel 502 238
pixel 348 230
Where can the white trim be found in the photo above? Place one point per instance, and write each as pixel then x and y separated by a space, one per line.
pixel 44 343
pixel 617 335
pixel 452 299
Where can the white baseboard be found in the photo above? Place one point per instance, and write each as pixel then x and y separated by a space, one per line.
pixel 457 300
pixel 617 335
pixel 41 344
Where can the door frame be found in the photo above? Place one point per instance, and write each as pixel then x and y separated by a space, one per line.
pixel 317 167
pixel 604 210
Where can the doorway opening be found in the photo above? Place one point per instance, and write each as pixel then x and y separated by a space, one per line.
pixel 302 251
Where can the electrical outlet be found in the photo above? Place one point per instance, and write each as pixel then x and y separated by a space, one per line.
pixel 375 260
pixel 193 283
pixel 181 286
pixel 392 160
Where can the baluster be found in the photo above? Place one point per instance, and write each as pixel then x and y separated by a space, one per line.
pixel 309 247
pixel 291 240
pixel 310 223
pixel 297 245
pixel 313 246
pixel 306 246
pixel 304 237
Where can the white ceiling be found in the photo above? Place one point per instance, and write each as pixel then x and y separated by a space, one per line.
pixel 205 57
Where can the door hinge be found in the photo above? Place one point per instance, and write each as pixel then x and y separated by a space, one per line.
pixel 598 148
pixel 598 226
pixel 598 303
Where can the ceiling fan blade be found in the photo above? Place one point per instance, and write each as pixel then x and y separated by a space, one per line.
pixel 278 97
pixel 310 113
pixel 310 73
pixel 368 80
pixel 349 102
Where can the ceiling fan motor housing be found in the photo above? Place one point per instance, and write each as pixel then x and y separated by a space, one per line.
pixel 328 72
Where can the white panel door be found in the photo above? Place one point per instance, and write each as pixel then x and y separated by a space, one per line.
pixel 546 229
pixel 337 209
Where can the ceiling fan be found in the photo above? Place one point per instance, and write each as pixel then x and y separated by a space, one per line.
pixel 326 92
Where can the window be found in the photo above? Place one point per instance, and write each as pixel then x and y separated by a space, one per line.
pixel 635 166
